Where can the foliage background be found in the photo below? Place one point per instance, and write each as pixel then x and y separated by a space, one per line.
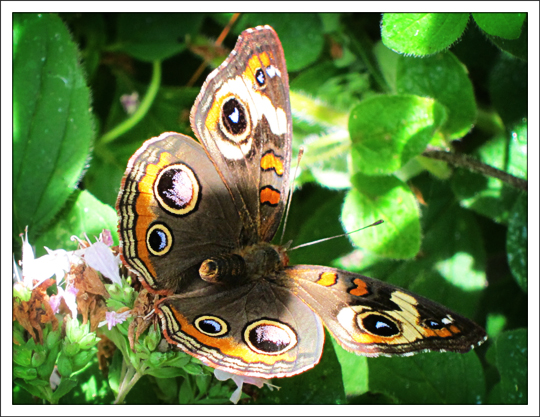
pixel 365 114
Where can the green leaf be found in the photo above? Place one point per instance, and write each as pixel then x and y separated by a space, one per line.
pixel 83 214
pixel 65 367
pixel 443 78
pixel 38 358
pixel 179 360
pixel 155 36
pixel 71 349
pixel 185 396
pixel 203 383
pixel 47 367
pixel 387 131
pixel 66 385
pixel 52 123
pixel 509 355
pixel 517 241
pixel 422 33
pixel 389 199
pixel 194 369
pixel 53 338
pixel 169 388
pixel 166 372
pixel 430 378
pixel 24 373
pixel 22 355
pixel 322 130
pixel 34 390
pixel 516 47
pixel 315 215
pixel 82 359
pixel 517 152
pixel 453 241
pixel 115 370
pixel 169 113
pixel 503 25
pixel 508 87
pixel 388 62
pixel 354 371
pixel 486 195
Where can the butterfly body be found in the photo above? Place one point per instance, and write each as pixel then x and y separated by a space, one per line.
pixel 196 224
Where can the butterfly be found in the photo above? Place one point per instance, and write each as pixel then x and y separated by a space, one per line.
pixel 196 223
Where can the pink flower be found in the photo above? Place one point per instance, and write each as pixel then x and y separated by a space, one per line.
pixel 112 318
pixel 106 237
pixel 69 296
pixel 130 102
pixel 239 381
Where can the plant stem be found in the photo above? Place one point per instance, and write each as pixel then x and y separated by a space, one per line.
pixel 145 105
pixel 130 378
pixel 465 161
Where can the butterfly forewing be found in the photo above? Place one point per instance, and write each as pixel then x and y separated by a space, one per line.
pixel 170 193
pixel 243 117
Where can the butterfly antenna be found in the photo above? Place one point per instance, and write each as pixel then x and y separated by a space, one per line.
pixel 291 189
pixel 335 237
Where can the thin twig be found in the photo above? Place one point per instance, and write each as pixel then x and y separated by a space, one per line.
pixel 465 161
pixel 217 43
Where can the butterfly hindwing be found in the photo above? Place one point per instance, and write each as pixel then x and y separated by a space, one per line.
pixel 257 329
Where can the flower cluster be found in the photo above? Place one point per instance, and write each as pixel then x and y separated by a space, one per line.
pixel 62 301
pixel 50 345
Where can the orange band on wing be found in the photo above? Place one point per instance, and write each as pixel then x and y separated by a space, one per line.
pixel 272 161
pixel 145 215
pixel 327 279
pixel 361 288
pixel 254 63
pixel 270 195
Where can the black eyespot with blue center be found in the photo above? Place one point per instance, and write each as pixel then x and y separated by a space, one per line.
pixel 159 239
pixel 233 117
pixel 433 324
pixel 211 325
pixel 260 76
pixel 380 325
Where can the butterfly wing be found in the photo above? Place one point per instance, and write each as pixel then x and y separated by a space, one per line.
pixel 171 193
pixel 373 318
pixel 243 117
pixel 258 329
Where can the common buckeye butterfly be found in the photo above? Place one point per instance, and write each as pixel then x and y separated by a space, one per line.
pixel 196 222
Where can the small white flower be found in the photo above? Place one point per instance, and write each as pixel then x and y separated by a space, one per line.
pixel 56 262
pixel 100 257
pixel 239 380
